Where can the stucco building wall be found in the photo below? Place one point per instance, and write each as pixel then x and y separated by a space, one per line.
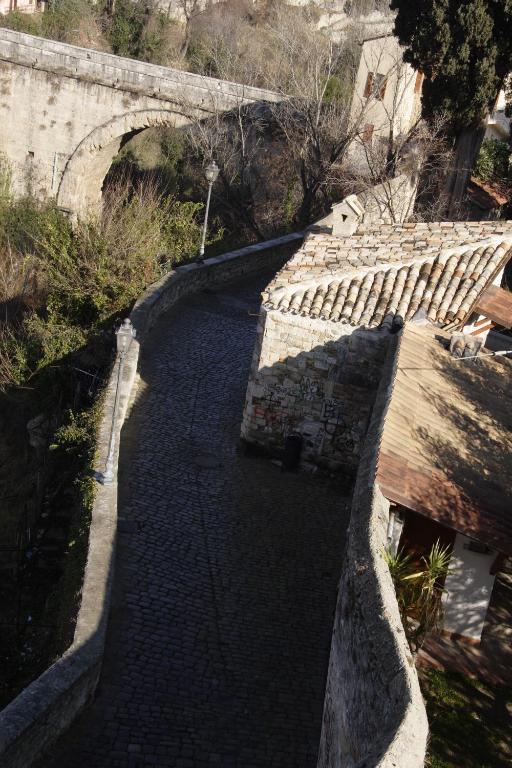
pixel 25 6
pixel 399 104
pixel 469 585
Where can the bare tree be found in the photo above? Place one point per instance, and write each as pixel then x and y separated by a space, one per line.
pixel 344 99
pixel 189 11
pixel 234 140
pixel 347 120
pixel 404 173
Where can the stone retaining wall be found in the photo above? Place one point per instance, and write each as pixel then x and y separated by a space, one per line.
pixel 317 379
pixel 374 714
pixel 41 712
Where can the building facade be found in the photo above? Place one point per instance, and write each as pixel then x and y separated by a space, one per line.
pixel 24 6
pixel 327 318
pixel 387 95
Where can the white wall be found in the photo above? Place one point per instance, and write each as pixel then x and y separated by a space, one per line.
pixel 498 125
pixel 469 587
pixel 383 55
pixel 400 105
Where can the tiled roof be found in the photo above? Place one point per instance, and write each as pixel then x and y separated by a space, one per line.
pixel 446 443
pixel 324 254
pixel 392 269
pixel 445 288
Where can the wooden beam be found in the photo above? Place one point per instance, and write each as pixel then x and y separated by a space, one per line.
pixel 496 304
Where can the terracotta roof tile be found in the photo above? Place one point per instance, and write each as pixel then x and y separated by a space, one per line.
pixel 444 287
pixel 324 255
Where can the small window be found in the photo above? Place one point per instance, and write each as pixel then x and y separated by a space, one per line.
pixel 375 85
pixel 419 81
pixel 368 89
pixel 367 133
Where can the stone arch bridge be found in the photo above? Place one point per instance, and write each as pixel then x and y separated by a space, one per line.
pixel 66 111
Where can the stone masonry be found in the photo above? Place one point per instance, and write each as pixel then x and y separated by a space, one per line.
pixel 47 706
pixel 226 573
pixel 64 111
pixel 374 715
pixel 328 315
pixel 315 378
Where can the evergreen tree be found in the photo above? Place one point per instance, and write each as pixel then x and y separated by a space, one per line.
pixel 464 49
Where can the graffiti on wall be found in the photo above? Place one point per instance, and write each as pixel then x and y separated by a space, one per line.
pixel 336 426
pixel 285 409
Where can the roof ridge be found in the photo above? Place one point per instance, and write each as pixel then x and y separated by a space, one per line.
pixel 361 272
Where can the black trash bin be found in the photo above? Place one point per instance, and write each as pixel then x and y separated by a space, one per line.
pixel 292 451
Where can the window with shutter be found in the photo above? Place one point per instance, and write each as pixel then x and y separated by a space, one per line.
pixel 368 89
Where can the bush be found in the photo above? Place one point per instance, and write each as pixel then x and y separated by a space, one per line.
pixel 493 162
pixel 419 592
pixel 68 21
pixel 21 22
pixel 141 31
pixel 84 278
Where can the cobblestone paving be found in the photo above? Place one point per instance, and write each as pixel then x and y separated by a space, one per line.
pixel 226 571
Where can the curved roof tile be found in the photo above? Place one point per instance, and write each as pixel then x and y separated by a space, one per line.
pixel 445 287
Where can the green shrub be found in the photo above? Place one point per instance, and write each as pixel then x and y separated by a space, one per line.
pixel 493 162
pixel 62 19
pixel 21 22
pixel 419 592
pixel 50 338
pixel 75 439
pixel 140 31
pixel 87 276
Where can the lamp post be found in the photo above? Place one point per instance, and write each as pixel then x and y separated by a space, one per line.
pixel 211 172
pixel 124 336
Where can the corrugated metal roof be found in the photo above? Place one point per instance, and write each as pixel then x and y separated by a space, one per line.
pixel 446 448
pixel 444 287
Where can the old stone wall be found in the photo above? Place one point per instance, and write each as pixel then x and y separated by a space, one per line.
pixel 315 378
pixel 374 716
pixel 64 111
pixel 37 717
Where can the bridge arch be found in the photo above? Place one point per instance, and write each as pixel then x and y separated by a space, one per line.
pixel 80 188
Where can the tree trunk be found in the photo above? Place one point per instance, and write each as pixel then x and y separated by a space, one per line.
pixel 467 147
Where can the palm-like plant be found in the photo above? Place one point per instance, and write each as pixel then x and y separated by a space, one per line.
pixel 419 593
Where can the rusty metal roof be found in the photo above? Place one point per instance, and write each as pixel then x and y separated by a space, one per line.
pixel 446 447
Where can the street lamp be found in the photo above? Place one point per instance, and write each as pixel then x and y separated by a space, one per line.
pixel 211 172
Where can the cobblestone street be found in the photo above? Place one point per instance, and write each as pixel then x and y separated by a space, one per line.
pixel 226 570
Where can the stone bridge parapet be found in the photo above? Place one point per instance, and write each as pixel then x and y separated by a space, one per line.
pixel 66 60
pixel 65 112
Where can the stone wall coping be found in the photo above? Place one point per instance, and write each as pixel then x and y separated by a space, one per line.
pixel 360 727
pixel 75 61
pixel 48 705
